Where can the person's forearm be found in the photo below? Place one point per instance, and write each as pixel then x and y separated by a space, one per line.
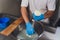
pixel 24 14
pixel 49 14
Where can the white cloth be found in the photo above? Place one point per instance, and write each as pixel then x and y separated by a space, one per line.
pixel 39 5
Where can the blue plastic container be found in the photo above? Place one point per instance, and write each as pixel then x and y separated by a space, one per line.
pixel 2 25
pixel 4 19
pixel 4 22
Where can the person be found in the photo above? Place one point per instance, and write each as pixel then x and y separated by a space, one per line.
pixel 41 10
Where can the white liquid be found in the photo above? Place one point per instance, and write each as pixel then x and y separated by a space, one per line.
pixel 37 13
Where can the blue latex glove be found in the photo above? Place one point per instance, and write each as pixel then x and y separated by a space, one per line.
pixel 38 18
pixel 29 29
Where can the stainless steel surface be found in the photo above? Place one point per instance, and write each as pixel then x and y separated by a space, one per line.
pixel 22 36
pixel 57 35
pixel 46 35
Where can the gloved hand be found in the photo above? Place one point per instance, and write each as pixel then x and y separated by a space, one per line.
pixel 37 16
pixel 29 28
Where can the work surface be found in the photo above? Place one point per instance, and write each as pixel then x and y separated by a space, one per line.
pixel 14 25
pixel 46 35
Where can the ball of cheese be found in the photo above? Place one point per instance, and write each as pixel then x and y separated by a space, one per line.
pixel 37 13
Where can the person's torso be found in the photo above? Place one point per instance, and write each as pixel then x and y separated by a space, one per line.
pixel 37 5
